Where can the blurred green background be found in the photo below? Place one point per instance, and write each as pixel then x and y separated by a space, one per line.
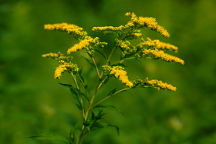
pixel 32 102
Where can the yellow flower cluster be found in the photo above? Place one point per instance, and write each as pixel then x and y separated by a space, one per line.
pixel 148 22
pixel 82 44
pixel 132 15
pixel 65 67
pixel 137 34
pixel 160 54
pixel 121 74
pixel 51 55
pixel 161 85
pixel 158 44
pixel 129 39
pixel 119 28
pixel 123 44
pixel 70 28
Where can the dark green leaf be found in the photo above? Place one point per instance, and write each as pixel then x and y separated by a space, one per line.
pixel 66 85
pixel 80 74
pixel 106 80
pixel 71 137
pixel 112 91
pixel 101 53
pixel 89 61
pixel 72 89
pixel 52 138
pixel 114 126
pixel 76 93
pixel 97 125
pixel 109 106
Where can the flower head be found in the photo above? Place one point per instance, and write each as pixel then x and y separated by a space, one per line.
pixel 51 55
pixel 70 28
pixel 120 73
pixel 148 22
pixel 161 85
pixel 137 34
pixel 82 44
pixel 65 67
pixel 132 15
pixel 126 47
pixel 158 44
pixel 162 55
pixel 123 44
pixel 112 28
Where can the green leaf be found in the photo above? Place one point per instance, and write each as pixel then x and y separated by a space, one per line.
pixel 51 138
pixel 99 115
pixel 99 125
pixel 82 79
pixel 71 137
pixel 70 87
pixel 111 107
pixel 101 54
pixel 89 61
pixel 66 85
pixel 92 115
pixel 120 64
pixel 76 93
pixel 114 126
pixel 112 91
pixel 74 90
pixel 106 80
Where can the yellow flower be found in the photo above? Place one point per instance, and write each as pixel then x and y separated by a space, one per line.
pixel 65 67
pixel 160 54
pixel 121 74
pixel 158 44
pixel 132 15
pixel 137 34
pixel 148 22
pixel 70 28
pixel 119 28
pixel 123 44
pixel 51 55
pixel 151 23
pixel 82 44
pixel 161 85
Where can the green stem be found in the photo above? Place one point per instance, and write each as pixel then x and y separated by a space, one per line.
pixel 110 55
pixel 107 97
pixel 74 78
pixel 84 87
pixel 80 98
pixel 88 110
pixel 81 137
pixel 96 67
pixel 122 60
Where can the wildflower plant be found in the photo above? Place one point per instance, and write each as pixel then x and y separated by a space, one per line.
pixel 132 44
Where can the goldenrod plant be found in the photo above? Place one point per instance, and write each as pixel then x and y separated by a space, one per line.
pixel 132 44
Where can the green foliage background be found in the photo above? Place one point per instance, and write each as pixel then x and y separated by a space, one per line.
pixel 32 102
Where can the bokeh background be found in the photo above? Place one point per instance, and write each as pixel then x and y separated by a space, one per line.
pixel 32 102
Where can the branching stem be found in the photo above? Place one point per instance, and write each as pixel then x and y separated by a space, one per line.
pixel 107 97
pixel 88 110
